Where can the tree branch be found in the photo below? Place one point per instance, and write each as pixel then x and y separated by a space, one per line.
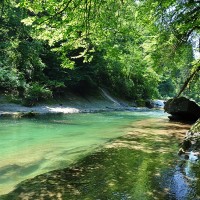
pixel 188 80
pixel 58 13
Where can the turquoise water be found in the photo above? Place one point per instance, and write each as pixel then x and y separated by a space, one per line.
pixel 29 147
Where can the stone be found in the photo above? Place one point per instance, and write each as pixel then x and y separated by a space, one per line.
pixel 191 141
pixel 182 109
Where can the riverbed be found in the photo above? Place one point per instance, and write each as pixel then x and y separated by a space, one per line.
pixel 108 155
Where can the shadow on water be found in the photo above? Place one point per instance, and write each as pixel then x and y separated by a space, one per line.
pixel 141 165
pixel 12 170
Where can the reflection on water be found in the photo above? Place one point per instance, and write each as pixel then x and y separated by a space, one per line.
pixel 141 165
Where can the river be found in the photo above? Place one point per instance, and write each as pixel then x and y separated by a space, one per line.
pixel 108 155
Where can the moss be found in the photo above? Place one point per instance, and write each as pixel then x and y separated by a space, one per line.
pixel 192 139
pixel 196 127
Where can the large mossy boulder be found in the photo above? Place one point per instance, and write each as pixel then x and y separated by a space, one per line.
pixel 182 109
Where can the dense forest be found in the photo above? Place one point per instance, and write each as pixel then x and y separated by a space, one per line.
pixel 137 49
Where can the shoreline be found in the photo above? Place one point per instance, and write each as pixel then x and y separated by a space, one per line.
pixel 71 103
pixel 11 109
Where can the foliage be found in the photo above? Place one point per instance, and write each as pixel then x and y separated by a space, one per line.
pixel 19 53
pixel 35 93
pixel 8 79
pixel 137 49
pixel 192 88
pixel 180 17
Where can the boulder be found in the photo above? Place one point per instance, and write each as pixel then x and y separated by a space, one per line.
pixel 182 109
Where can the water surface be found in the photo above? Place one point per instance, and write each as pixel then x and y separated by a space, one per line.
pixel 29 147
pixel 119 156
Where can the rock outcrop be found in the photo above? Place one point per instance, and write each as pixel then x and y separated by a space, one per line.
pixel 182 109
pixel 192 140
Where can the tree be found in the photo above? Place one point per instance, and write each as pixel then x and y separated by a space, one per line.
pixel 182 19
pixel 80 29
pixel 117 44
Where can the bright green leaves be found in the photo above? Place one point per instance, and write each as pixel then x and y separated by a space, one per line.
pixel 78 23
pixel 28 21
pixel 121 44
pixel 181 17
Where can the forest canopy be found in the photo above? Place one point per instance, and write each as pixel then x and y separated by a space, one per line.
pixel 146 47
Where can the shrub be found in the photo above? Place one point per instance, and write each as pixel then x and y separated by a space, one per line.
pixel 8 79
pixel 35 93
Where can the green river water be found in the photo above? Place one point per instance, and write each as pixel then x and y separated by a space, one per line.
pixel 108 155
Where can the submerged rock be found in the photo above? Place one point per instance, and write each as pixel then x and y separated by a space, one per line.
pixel 182 109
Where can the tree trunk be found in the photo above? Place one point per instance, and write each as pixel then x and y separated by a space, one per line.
pixel 188 80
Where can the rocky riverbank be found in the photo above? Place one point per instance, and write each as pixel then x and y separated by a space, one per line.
pixel 69 104
pixel 19 110
pixel 191 142
pixel 185 109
